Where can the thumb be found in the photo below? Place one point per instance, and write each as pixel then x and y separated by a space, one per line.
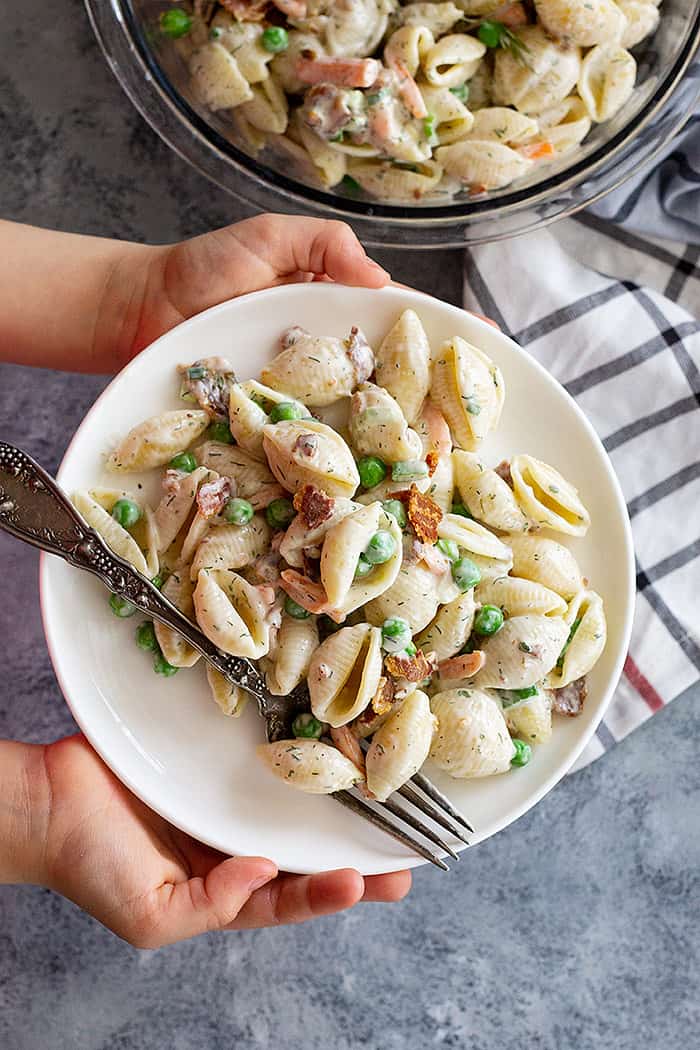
pixel 186 909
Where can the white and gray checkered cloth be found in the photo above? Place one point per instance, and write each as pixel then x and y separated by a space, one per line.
pixel 610 314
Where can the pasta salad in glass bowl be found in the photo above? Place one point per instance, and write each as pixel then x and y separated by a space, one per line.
pixel 359 517
pixel 424 123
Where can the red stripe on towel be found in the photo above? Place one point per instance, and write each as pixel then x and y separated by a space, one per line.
pixel 642 684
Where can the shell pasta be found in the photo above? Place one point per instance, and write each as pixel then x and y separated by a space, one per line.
pixel 409 102
pixel 423 593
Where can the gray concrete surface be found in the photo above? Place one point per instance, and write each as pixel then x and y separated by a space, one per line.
pixel 575 929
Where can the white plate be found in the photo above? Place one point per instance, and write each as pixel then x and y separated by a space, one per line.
pixel 166 739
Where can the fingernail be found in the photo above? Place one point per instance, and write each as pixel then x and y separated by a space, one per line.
pixel 260 881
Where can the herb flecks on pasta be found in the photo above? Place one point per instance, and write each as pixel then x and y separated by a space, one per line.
pixel 422 592
pixel 409 101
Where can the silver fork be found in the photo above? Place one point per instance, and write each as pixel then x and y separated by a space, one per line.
pixel 34 509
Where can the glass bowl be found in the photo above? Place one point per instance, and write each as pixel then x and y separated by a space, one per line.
pixel 154 76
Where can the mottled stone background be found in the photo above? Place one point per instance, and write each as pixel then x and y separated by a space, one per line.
pixel 573 929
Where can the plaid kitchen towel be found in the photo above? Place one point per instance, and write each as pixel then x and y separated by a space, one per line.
pixel 606 312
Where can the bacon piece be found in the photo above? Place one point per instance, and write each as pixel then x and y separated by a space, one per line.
pixel 314 506
pixel 346 742
pixel 383 699
pixel 436 561
pixel 347 72
pixel 266 568
pixel 408 89
pixel 570 698
pixel 378 710
pixel 412 668
pixel 213 495
pixel 306 445
pixel 432 460
pixel 265 495
pixel 503 471
pixel 511 15
pixel 462 666
pixel 309 594
pixel 423 514
pixel 360 353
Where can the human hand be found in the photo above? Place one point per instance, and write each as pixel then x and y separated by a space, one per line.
pixel 154 885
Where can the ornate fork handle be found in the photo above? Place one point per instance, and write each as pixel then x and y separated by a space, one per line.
pixel 34 509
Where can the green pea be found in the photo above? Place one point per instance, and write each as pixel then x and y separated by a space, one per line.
pixel 158 581
pixel 285 410
pixel 429 129
pixel 380 548
pixel 238 511
pixel 409 470
pixel 363 567
pixel 350 185
pixel 126 512
pixel 396 509
pixel 161 666
pixel 183 461
pixel 292 608
pixel 396 634
pixel 465 573
pixel 146 637
pixel 459 508
pixel 525 694
pixel 307 727
pixel 372 471
pixel 523 753
pixel 220 431
pixel 489 33
pixel 461 92
pixel 175 23
pixel 449 548
pixel 121 607
pixel 275 39
pixel 279 513
pixel 410 649
pixel 488 620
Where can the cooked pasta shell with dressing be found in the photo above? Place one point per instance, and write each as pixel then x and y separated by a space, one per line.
pixel 642 20
pixel 547 562
pixel 548 76
pixel 232 613
pixel 244 41
pixel 356 29
pixel 309 765
pixel 486 495
pixel 564 125
pixel 217 78
pixel 385 180
pixel 585 24
pixel 232 546
pixel 305 452
pixel 330 164
pixel 342 547
pixel 316 370
pixel 296 642
pixel 144 532
pixel 448 631
pixel 249 404
pixel 500 124
pixel 548 498
pixel 344 673
pixel 606 81
pixel 378 426
pixel 516 597
pixel 474 538
pixel 115 536
pixel 232 461
pixel 453 59
pixel 402 365
pixel 452 119
pixel 529 719
pixel 230 698
pixel 268 109
pixel 524 650
pixel 400 746
pixel 414 595
pixel 176 650
pixel 468 389
pixel 176 503
pixel 388 488
pixel 482 164
pixel 585 619
pixel 441 487
pixel 472 738
pixel 408 45
pixel 154 442
pixel 299 537
pixel 438 18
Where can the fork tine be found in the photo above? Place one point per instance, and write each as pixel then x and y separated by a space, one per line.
pixel 429 810
pixel 437 796
pixel 418 825
pixel 363 809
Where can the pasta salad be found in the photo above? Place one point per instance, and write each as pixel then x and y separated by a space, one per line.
pixel 408 102
pixel 335 521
